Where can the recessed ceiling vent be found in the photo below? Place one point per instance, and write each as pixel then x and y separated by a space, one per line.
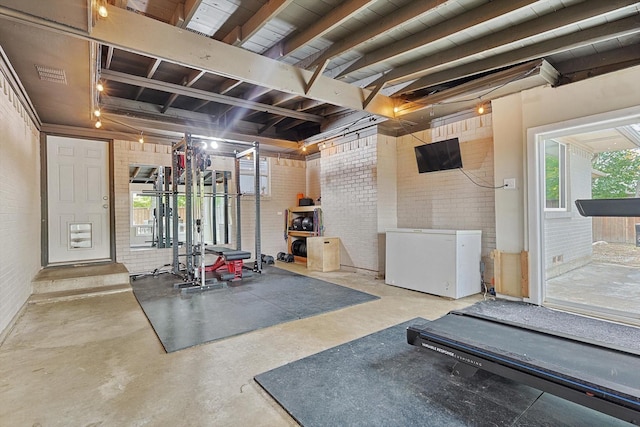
pixel 51 74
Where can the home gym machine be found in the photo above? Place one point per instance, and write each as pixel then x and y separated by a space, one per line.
pixel 190 161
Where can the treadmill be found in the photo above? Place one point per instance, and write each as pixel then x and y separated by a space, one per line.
pixel 598 377
pixel 602 378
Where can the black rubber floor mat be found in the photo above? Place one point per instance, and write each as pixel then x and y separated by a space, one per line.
pixel 380 380
pixel 273 297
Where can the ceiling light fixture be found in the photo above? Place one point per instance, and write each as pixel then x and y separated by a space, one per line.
pixel 141 139
pixel 99 86
pixel 102 9
pixel 481 109
pixel 214 144
pixel 96 112
pixel 98 124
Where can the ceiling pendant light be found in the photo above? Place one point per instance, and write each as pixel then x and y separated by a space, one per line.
pixel 141 139
pixel 480 108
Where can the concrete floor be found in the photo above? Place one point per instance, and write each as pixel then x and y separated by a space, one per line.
pixel 97 361
pixel 600 289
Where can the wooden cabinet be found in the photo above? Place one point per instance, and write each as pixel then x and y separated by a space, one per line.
pixel 323 253
pixel 302 222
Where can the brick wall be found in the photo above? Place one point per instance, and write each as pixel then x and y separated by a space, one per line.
pixel 448 199
pixel 288 178
pixel 350 199
pixel 568 235
pixel 19 204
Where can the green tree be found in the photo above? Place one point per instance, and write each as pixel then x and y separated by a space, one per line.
pixel 622 169
pixel 140 201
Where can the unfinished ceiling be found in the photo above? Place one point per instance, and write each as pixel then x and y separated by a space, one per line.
pixel 291 72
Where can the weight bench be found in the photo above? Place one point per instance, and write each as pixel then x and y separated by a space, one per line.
pixel 229 264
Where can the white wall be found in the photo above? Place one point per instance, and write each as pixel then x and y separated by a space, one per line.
pixel 546 109
pixel 350 199
pixel 19 204
pixel 448 199
pixel 387 184
pixel 567 235
pixel 542 106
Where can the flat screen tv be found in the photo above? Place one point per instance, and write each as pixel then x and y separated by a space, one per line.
pixel 439 156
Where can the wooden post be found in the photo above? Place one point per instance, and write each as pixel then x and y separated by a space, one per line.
pixel 524 276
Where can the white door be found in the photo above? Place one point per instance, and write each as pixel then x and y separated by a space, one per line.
pixel 78 200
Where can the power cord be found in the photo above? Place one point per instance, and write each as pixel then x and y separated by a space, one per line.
pixel 480 185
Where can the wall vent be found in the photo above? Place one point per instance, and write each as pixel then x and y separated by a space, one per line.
pixel 51 74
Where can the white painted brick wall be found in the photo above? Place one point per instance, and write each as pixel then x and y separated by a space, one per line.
pixel 19 204
pixel 569 235
pixel 350 200
pixel 448 199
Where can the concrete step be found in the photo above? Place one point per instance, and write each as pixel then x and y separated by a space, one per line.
pixel 49 297
pixel 79 279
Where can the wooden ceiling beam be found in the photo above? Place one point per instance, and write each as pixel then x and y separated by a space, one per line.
pixel 412 10
pixel 608 31
pixel 336 17
pixel 202 94
pixel 439 31
pixel 509 36
pixel 240 34
pixel 172 44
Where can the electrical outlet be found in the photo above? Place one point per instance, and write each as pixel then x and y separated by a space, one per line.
pixel 509 183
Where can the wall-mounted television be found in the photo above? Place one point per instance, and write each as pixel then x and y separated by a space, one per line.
pixel 439 156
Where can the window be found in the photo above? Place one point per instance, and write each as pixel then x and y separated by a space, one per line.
pixel 247 184
pixel 555 176
pixel 142 207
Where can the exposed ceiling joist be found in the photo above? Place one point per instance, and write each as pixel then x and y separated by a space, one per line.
pixel 267 12
pixel 484 88
pixel 598 63
pixel 523 31
pixel 153 67
pixel 189 10
pixel 328 22
pixel 142 115
pixel 446 28
pixel 187 81
pixel 169 43
pixel 412 10
pixel 597 34
pixel 202 94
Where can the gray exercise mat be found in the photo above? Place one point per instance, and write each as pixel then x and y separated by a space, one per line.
pixel 560 323
pixel 273 297
pixel 380 380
